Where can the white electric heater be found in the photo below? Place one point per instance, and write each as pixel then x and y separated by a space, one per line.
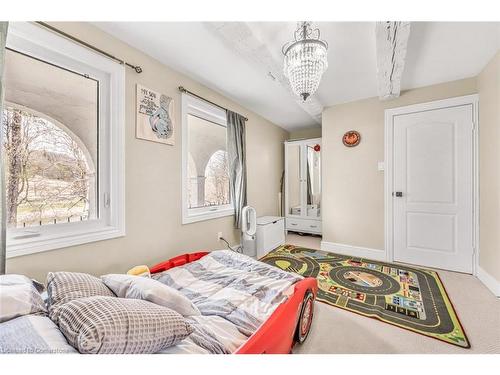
pixel 248 231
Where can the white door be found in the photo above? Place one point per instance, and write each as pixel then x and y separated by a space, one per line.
pixel 433 188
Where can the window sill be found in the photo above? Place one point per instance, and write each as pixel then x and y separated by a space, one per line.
pixel 206 215
pixel 38 244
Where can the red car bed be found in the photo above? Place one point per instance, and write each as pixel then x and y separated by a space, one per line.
pixel 288 324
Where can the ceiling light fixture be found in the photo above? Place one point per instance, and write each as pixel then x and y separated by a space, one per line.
pixel 305 60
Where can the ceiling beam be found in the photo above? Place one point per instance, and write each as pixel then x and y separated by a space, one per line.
pixel 391 43
pixel 241 39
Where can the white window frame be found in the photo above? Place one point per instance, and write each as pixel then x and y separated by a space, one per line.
pixel 40 43
pixel 202 109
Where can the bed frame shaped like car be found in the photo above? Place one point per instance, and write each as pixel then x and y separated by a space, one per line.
pixel 288 324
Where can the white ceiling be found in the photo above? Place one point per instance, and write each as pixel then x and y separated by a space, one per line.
pixel 235 59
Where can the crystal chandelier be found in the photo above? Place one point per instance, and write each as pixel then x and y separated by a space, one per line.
pixel 305 60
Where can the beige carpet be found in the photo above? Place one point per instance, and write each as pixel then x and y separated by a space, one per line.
pixel 338 331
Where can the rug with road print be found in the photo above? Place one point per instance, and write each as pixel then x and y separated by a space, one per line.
pixel 407 297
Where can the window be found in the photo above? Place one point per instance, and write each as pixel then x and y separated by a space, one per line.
pixel 207 170
pixel 62 116
pixel 205 163
pixel 50 166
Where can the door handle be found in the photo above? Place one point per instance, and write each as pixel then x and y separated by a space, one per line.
pixel 397 194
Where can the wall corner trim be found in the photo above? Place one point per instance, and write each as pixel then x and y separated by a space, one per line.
pixel 355 251
pixel 489 281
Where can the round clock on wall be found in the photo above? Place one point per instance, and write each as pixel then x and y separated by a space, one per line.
pixel 351 138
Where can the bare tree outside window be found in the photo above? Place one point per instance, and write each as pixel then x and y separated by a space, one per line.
pixel 47 175
pixel 217 180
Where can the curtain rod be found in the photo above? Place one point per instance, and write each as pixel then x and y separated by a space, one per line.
pixel 182 89
pixel 137 68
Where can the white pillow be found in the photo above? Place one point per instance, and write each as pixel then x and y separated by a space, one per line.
pixel 129 286
pixel 18 297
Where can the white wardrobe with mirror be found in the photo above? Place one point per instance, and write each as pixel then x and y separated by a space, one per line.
pixel 303 186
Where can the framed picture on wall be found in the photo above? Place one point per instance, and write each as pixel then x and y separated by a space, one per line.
pixel 155 116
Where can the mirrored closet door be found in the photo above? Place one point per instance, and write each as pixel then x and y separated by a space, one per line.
pixel 303 185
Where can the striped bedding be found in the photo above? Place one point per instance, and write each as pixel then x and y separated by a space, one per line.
pixel 230 289
pixel 234 293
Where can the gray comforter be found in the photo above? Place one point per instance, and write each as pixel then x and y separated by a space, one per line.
pixel 232 286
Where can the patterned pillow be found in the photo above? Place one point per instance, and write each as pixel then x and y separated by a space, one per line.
pixel 120 326
pixel 18 297
pixel 63 287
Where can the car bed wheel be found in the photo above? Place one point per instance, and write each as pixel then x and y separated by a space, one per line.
pixel 305 318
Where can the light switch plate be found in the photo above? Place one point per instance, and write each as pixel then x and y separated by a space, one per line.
pixel 380 165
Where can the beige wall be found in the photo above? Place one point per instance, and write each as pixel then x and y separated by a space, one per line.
pixel 488 84
pixel 353 188
pixel 153 180
pixel 305 133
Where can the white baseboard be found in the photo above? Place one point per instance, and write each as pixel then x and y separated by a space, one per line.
pixel 356 251
pixel 489 281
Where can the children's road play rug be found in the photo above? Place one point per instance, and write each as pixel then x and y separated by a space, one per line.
pixel 410 298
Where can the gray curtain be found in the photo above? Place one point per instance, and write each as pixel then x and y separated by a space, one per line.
pixel 236 150
pixel 3 37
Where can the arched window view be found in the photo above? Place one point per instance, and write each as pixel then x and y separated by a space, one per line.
pixel 50 144
pixel 208 172
pixel 217 179
pixel 48 176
